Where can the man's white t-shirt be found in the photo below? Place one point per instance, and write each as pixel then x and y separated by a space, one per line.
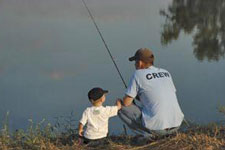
pixel 97 121
pixel 157 93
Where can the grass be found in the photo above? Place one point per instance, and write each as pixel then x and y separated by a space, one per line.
pixel 62 136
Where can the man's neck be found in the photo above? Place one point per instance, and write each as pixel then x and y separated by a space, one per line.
pixel 146 67
pixel 143 66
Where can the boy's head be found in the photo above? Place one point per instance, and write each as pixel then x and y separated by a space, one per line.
pixel 97 95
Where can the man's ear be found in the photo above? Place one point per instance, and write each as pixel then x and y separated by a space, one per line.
pixel 141 63
pixel 152 59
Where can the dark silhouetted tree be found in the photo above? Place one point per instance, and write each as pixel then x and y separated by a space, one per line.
pixel 204 18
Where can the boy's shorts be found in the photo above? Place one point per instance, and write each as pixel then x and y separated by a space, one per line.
pixel 96 142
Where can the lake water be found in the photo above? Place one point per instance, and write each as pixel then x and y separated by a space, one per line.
pixel 51 54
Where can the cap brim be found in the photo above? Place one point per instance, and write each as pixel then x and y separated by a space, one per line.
pixel 132 58
pixel 105 91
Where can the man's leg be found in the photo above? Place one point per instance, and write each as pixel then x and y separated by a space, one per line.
pixel 131 115
pixel 165 132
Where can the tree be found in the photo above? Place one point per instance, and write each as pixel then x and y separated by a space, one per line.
pixel 202 18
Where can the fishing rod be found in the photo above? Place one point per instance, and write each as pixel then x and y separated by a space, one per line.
pixel 103 40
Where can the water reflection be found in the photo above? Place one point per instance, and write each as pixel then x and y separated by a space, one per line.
pixel 204 19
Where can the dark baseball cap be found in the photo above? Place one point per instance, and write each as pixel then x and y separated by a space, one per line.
pixel 143 54
pixel 96 93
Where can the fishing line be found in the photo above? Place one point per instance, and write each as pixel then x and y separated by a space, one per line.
pixel 103 40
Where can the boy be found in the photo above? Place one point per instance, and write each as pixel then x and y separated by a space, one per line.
pixel 96 117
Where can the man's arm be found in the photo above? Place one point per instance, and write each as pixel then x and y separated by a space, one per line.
pixel 127 100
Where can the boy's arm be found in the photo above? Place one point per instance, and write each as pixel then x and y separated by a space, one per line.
pixel 118 104
pixel 82 122
pixel 80 129
pixel 113 110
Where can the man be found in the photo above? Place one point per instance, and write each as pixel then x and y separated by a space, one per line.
pixel 160 113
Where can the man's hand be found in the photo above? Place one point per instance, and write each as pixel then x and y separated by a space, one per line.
pixel 127 100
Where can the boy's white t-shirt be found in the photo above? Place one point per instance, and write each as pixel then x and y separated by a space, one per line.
pixel 157 93
pixel 96 119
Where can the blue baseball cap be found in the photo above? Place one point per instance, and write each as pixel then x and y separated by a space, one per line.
pixel 96 93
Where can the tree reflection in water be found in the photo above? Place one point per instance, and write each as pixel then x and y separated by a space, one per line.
pixel 204 18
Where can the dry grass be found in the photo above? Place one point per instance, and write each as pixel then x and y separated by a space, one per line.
pixel 47 137
pixel 211 137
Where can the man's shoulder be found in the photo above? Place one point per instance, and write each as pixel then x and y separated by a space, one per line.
pixel 143 72
pixel 150 69
pixel 164 70
pixel 160 69
pixel 139 72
